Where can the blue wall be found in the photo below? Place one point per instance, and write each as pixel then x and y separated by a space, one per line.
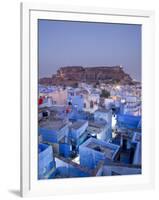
pixel 48 135
pixel 106 116
pixel 65 169
pixel 45 160
pixel 77 102
pixel 65 150
pixel 90 158
pixel 76 133
pixel 53 136
pixel 75 115
pixel 129 121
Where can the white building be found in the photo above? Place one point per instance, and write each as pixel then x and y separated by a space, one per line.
pixel 91 102
pixel 132 106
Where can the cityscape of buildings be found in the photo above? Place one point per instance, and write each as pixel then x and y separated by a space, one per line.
pixel 89 99
pixel 87 127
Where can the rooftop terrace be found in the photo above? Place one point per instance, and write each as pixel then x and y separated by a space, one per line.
pixel 106 150
pixel 100 146
pixel 78 124
pixel 53 124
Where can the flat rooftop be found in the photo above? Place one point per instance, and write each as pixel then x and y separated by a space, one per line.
pixel 97 124
pixel 106 150
pixel 104 110
pixel 78 124
pixel 53 124
pixel 95 127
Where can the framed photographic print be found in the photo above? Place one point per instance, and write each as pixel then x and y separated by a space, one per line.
pixel 87 92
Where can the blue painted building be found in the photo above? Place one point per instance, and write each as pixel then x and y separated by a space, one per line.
pixel 93 151
pixel 78 128
pixel 106 116
pixel 112 170
pixel 129 121
pixel 103 114
pixel 130 147
pixel 66 169
pixel 78 115
pixel 46 162
pixel 53 131
pixel 137 154
pixel 76 101
pixel 78 133
pixel 65 149
pixel 100 130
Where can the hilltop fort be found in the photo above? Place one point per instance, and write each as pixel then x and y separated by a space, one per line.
pixel 71 75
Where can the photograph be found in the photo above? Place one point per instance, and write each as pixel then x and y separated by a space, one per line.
pixel 89 99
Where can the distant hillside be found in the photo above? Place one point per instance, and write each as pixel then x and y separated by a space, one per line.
pixel 71 75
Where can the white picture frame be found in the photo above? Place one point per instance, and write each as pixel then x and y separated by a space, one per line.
pixel 30 186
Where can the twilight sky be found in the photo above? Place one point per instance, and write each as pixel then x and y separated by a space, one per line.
pixel 88 44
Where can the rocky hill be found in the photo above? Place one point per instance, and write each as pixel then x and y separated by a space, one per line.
pixel 71 75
